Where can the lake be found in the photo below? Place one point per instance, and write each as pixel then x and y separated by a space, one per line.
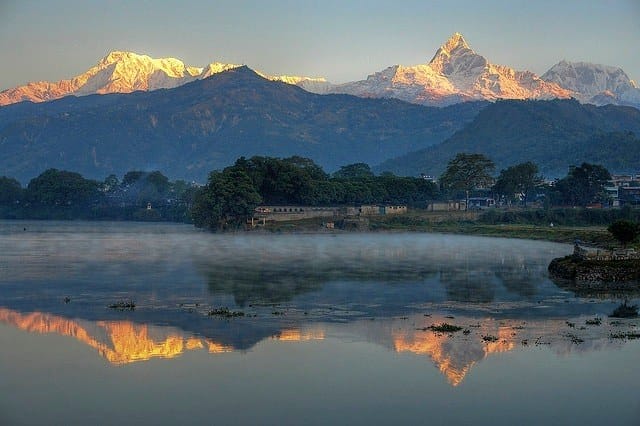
pixel 290 329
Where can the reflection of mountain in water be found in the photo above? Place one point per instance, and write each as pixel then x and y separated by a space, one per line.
pixel 297 286
pixel 123 342
pixel 120 342
pixel 454 354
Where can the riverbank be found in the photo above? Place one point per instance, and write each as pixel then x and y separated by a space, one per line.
pixel 465 223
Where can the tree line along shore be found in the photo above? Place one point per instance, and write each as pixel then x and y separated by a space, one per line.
pixel 529 206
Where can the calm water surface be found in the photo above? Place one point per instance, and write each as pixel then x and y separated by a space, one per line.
pixel 334 330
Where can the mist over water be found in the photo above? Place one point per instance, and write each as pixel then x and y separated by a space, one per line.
pixel 320 313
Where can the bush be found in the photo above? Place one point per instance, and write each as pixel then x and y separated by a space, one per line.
pixel 625 231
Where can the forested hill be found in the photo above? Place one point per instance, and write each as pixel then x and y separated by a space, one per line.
pixel 553 134
pixel 190 130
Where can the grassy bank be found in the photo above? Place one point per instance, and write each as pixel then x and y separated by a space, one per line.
pixel 467 223
pixel 592 235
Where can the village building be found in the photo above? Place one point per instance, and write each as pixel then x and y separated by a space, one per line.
pixel 265 214
pixel 445 206
pixel 480 203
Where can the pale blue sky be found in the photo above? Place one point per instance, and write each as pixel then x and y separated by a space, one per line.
pixel 340 40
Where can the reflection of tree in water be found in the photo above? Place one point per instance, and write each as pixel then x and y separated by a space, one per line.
pixel 595 293
pixel 476 282
pixel 468 284
pixel 256 285
pixel 280 282
pixel 519 279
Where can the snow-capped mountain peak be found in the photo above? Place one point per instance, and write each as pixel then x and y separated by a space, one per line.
pixel 594 83
pixel 125 72
pixel 455 43
pixel 455 73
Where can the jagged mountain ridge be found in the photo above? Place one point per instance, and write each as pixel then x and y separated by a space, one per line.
pixel 455 73
pixel 190 130
pixel 554 134
pixel 594 83
pixel 126 72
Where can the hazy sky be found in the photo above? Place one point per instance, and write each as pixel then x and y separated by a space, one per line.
pixel 341 40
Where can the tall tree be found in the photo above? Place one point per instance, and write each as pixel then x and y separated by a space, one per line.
pixel 519 179
pixel 10 191
pixel 584 185
pixel 227 200
pixel 356 170
pixel 467 172
pixel 61 188
pixel 146 187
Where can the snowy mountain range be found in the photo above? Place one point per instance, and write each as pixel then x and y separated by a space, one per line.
pixel 596 84
pixel 126 72
pixel 455 74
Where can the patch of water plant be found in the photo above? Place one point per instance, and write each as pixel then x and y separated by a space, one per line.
pixel 444 328
pixel 594 321
pixel 224 312
pixel 123 305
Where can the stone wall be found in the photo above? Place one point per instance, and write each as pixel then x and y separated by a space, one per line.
pixel 587 253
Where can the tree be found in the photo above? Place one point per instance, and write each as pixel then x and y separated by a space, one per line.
pixel 584 185
pixel 227 200
pixel 519 179
pixel 282 181
pixel 146 187
pixel 467 172
pixel 10 191
pixel 354 171
pixel 60 188
pixel 625 231
pixel 111 183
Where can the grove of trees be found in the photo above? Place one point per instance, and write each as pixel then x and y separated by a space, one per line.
pixel 231 195
pixel 61 194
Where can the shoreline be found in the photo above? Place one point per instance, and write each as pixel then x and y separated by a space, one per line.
pixel 437 224
pixel 589 235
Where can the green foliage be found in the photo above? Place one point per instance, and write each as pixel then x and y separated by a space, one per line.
pixel 297 180
pixel 61 188
pixel 625 231
pixel 558 216
pixel 10 191
pixel 226 201
pixel 584 185
pixel 59 194
pixel 519 179
pixel 279 181
pixel 146 187
pixel 110 183
pixel 467 172
pixel 356 170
